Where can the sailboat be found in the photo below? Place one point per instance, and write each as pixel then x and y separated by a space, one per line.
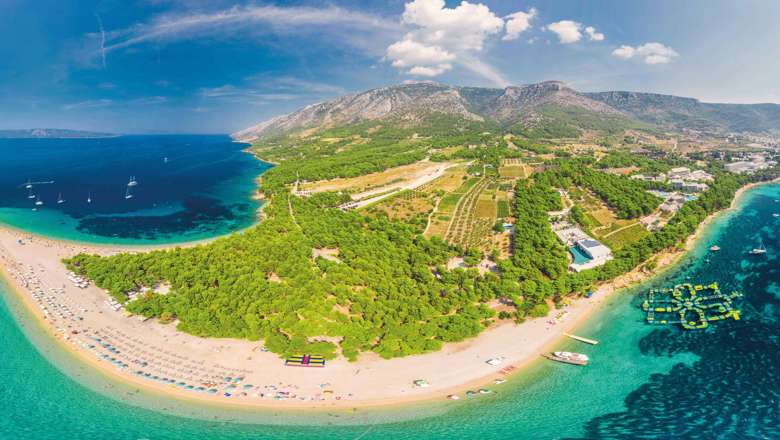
pixel 38 202
pixel 128 195
pixel 132 181
pixel 761 250
pixel 60 200
pixel 30 195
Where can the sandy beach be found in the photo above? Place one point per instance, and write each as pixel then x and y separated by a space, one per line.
pixel 158 358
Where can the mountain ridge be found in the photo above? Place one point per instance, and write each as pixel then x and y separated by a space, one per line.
pixel 524 106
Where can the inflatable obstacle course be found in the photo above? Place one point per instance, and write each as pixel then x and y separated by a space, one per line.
pixel 693 307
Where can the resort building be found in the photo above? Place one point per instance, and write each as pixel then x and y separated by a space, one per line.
pixel 586 252
pixel 596 254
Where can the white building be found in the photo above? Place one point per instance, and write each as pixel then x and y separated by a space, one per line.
pixel 594 249
pixel 679 173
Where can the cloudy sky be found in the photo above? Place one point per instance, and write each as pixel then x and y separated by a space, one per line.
pixel 139 66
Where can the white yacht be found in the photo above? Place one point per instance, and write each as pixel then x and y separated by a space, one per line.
pixel 761 250
pixel 132 181
pixel 60 200
pixel 89 197
pixel 128 194
pixel 38 202
pixel 30 194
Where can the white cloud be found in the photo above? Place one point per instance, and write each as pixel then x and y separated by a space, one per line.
pixel 148 100
pixel 93 103
pixel 518 23
pixel 409 53
pixel 102 40
pixel 568 31
pixel 101 103
pixel 590 31
pixel 261 89
pixel 651 53
pixel 250 21
pixel 429 71
pixel 441 36
pixel 464 27
pixel 624 52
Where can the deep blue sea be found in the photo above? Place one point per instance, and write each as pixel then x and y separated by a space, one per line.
pixel 645 382
pixel 188 187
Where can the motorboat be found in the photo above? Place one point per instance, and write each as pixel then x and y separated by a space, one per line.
pixel 568 357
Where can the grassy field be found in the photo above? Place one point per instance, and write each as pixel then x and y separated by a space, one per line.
pixel 623 237
pixel 513 172
pixel 604 225
pixel 410 207
pixel 503 209
pixel 449 182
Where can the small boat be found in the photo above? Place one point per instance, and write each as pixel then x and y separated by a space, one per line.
pixel 568 357
pixel 60 200
pixel 28 185
pixel 499 381
pixel 453 397
pixel 30 194
pixel 761 250
pixel 165 159
pixel 132 181
pixel 38 202
pixel 494 362
pixel 715 248
pixel 775 215
pixel 128 195
pixel 484 391
pixel 89 197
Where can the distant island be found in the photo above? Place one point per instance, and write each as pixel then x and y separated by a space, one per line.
pixel 51 133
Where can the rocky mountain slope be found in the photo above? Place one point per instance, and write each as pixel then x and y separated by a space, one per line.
pixel 549 107
pixel 676 113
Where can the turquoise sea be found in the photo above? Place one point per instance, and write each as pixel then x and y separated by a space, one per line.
pixel 644 381
pixel 187 187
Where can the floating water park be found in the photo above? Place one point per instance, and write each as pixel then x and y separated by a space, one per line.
pixel 691 306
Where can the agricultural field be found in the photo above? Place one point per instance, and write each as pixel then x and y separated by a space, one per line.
pixel 473 217
pixel 410 207
pixel 441 217
pixel 514 169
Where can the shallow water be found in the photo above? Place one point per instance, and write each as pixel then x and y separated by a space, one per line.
pixel 644 381
pixel 189 187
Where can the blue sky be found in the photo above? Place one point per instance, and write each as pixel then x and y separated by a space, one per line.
pixel 136 66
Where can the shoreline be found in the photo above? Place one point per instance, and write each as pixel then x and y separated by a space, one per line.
pixel 538 334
